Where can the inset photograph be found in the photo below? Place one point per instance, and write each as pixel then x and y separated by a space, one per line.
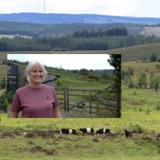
pixel 64 85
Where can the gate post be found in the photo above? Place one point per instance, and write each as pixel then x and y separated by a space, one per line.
pixel 90 101
pixel 67 91
pixel 65 98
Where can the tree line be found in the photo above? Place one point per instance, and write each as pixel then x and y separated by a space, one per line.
pixel 101 33
pixel 82 40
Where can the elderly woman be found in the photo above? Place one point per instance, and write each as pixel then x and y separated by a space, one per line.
pixel 35 100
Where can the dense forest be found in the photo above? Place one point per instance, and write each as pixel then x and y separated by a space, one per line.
pixel 117 37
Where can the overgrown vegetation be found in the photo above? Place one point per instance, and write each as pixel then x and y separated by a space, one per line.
pixel 3 102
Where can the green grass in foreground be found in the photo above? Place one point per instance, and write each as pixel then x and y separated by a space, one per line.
pixel 142 146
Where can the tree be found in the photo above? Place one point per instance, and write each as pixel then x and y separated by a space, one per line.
pixel 130 83
pixel 115 62
pixel 153 58
pixel 84 71
pixel 142 80
pixel 154 83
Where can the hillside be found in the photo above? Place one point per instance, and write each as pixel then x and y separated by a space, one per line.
pixel 138 52
pixel 74 18
pixel 57 30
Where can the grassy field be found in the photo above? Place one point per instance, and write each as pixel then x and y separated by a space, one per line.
pixel 139 114
pixel 43 141
pixel 138 52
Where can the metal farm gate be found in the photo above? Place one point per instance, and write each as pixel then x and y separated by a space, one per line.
pixel 88 103
pixel 13 78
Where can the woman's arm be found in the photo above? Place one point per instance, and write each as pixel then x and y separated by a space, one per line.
pixel 56 112
pixel 13 115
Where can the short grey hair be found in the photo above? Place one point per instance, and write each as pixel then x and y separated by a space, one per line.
pixel 31 65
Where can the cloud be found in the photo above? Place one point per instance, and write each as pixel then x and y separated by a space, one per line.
pixel 137 8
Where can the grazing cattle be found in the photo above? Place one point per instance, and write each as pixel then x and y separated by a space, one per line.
pixel 87 130
pixel 103 131
pixel 67 131
pixel 128 133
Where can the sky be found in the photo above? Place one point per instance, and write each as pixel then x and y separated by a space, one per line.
pixel 66 61
pixel 134 8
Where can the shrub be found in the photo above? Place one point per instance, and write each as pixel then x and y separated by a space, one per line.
pixel 10 96
pixel 158 107
pixel 153 58
pixel 136 128
pixel 3 83
pixel 3 104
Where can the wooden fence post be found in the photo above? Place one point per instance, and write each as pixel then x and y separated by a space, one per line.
pixel 67 90
pixel 90 101
pixel 65 99
pixel 119 100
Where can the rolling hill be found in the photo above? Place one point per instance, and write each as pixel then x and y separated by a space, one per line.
pixel 138 52
pixel 74 18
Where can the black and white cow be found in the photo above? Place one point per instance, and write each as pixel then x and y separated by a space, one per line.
pixel 87 130
pixel 103 131
pixel 128 133
pixel 67 131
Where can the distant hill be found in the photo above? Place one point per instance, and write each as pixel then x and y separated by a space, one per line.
pixel 74 18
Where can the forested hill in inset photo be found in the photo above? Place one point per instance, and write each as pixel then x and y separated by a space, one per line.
pixel 74 18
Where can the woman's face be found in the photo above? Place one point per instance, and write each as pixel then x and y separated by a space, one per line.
pixel 36 74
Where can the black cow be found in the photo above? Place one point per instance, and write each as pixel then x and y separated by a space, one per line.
pixel 128 133
pixel 67 131
pixel 103 131
pixel 87 130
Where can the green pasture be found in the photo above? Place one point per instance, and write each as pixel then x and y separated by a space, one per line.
pixel 74 83
pixel 139 113
pixel 142 146
pixel 141 66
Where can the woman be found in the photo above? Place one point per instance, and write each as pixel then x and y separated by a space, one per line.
pixel 35 100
